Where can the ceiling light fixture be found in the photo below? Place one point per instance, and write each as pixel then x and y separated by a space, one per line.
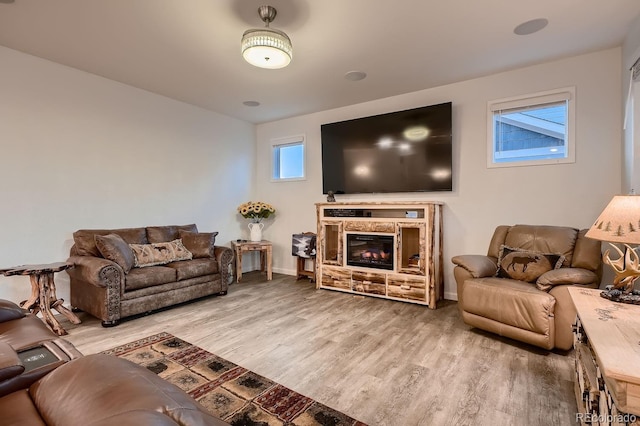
pixel 267 47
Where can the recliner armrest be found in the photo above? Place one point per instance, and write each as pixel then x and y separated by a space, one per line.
pixel 566 276
pixel 479 266
pixel 10 364
pixel 31 369
pixel 10 311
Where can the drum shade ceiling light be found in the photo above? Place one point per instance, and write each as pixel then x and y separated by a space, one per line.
pixel 267 47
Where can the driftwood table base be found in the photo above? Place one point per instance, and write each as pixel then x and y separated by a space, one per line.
pixel 43 297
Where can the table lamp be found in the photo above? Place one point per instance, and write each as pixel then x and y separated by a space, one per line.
pixel 619 224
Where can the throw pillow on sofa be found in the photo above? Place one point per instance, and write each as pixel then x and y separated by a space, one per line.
pixel 159 253
pixel 162 234
pixel 116 249
pixel 525 265
pixel 200 244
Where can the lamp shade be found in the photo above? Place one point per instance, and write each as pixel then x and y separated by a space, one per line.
pixel 267 48
pixel 619 222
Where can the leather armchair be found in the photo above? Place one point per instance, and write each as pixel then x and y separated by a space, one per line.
pixel 539 312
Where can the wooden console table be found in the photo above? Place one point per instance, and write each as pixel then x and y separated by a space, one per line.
pixel 266 252
pixel 607 359
pixel 43 293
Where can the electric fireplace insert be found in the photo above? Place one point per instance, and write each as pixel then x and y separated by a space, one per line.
pixel 370 251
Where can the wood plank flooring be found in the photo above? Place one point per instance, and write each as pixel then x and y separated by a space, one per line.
pixel 382 362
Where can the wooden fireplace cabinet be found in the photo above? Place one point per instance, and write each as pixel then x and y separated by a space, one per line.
pixel 416 275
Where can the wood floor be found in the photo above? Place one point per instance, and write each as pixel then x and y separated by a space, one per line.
pixel 382 362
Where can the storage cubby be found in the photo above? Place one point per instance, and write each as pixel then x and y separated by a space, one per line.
pixel 407 267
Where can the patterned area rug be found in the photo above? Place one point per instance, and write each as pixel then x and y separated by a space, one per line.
pixel 230 392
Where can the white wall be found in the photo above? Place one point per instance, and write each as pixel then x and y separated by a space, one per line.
pixel 81 151
pixel 569 194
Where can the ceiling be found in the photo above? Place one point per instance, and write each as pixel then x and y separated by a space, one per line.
pixel 189 50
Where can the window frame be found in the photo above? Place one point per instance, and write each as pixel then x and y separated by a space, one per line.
pixel 567 94
pixel 632 127
pixel 283 142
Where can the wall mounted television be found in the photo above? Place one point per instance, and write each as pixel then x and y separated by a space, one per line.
pixel 402 151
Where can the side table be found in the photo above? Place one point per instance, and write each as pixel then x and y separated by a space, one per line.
pixel 607 359
pixel 43 293
pixel 264 247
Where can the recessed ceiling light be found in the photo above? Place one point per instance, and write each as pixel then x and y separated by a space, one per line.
pixel 530 27
pixel 355 75
pixel 251 103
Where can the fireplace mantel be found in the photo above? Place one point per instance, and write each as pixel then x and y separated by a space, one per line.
pixel 416 274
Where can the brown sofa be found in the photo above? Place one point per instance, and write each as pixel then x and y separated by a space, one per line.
pixel 105 284
pixel 535 310
pixel 91 390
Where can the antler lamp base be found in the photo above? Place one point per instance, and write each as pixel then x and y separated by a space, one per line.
pixel 627 271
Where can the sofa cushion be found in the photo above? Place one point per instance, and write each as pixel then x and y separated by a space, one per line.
pixel 18 409
pixel 511 302
pixel 525 265
pixel 194 268
pixel 587 253
pixel 162 234
pixel 86 245
pixel 147 277
pixel 159 253
pixel 199 243
pixel 114 248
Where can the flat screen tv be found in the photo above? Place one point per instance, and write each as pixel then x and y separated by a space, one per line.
pixel 403 151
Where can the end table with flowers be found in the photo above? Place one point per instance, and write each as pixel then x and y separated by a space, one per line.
pixel 256 211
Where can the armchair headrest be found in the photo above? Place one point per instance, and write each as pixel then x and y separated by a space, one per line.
pixel 579 251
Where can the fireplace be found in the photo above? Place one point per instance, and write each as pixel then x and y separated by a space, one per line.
pixel 370 251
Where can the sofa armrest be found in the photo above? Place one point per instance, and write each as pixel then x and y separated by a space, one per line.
pixel 566 276
pixel 478 265
pixel 10 364
pixel 94 270
pixel 224 256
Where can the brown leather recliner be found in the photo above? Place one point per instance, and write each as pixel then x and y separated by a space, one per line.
pixel 21 331
pixel 101 390
pixel 535 310
pixel 72 389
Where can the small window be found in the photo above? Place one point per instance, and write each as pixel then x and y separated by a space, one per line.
pixel 288 159
pixel 532 129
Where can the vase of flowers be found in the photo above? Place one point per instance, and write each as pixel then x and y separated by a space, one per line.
pixel 256 211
